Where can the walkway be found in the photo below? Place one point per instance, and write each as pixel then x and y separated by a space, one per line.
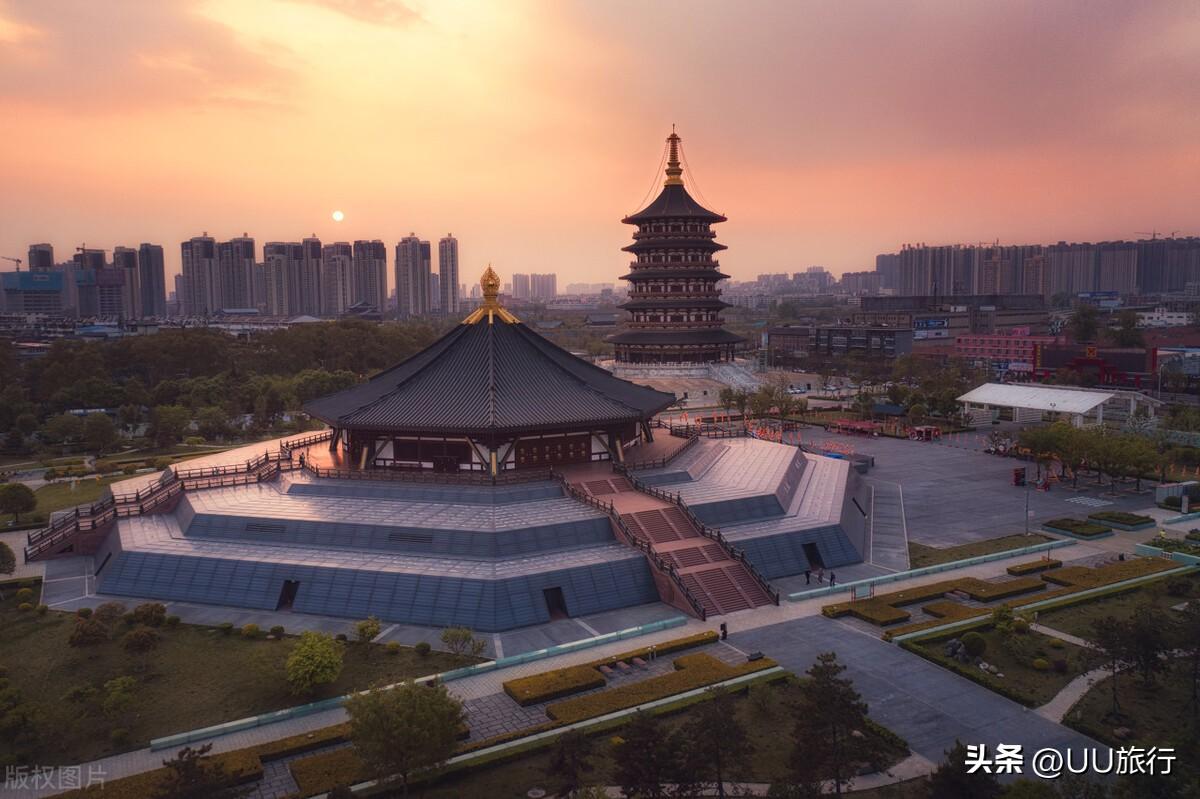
pixel 889 530
pixel 1071 693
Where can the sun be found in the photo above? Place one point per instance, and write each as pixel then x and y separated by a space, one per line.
pixel 338 216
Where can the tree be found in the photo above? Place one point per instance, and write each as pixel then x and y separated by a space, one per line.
pixel 645 758
pixel 1126 333
pixel 315 660
pixel 831 720
pixel 212 422
pixel 367 630
pixel 741 401
pixel 192 775
pixel 569 761
pixel 8 561
pixel 17 498
pixel 761 402
pixel 404 730
pixel 170 423
pixel 461 641
pixel 64 427
pixel 87 632
pixel 1108 637
pixel 917 412
pixel 99 432
pixel 1146 640
pixel 726 398
pixel 1084 322
pixel 951 780
pixel 1189 635
pixel 140 640
pixel 715 738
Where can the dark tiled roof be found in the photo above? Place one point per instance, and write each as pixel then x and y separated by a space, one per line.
pixel 489 378
pixel 666 301
pixel 673 203
pixel 661 273
pixel 676 337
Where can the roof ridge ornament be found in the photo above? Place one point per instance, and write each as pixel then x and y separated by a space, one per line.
pixel 489 281
pixel 674 170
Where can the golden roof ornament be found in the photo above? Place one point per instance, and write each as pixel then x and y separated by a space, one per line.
pixel 674 171
pixel 489 281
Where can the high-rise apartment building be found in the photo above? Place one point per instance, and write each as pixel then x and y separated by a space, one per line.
pixel 543 287
pixel 370 274
pixel 337 278
pixel 435 293
pixel 152 281
pixel 125 260
pixel 41 257
pixel 283 277
pixel 412 276
pixel 201 277
pixel 448 274
pixel 236 260
pixel 520 287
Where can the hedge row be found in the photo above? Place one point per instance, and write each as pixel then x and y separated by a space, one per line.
pixel 1084 577
pixel 881 609
pixel 982 591
pixel 1077 527
pixel 1121 517
pixel 693 671
pixel 1021 569
pixel 944 612
pixel 550 685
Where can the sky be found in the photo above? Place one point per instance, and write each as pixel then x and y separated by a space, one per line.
pixel 827 132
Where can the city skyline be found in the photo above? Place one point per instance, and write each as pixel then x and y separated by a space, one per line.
pixel 861 157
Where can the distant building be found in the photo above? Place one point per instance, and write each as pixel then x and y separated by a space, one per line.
pixel 152 281
pixel 789 345
pixel 310 278
pixel 448 274
pixel 861 282
pixel 283 278
pixel 236 259
pixel 370 274
pixel 543 287
pixel 871 342
pixel 41 257
pixel 337 278
pixel 39 292
pixel 412 278
pixel 1010 351
pixel 1164 317
pixel 201 277
pixel 125 259
pixel 521 287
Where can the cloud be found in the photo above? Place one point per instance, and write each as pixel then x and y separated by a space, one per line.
pixel 376 12
pixel 127 55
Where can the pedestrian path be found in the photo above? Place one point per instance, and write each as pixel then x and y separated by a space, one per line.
pixel 1056 709
pixel 1059 634
pixel 889 530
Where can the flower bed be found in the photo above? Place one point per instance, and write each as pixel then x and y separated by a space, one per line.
pixel 692 671
pixel 944 612
pixel 1122 519
pixel 562 682
pixel 1083 577
pixel 881 609
pixel 1077 529
pixel 1033 567
pixel 983 591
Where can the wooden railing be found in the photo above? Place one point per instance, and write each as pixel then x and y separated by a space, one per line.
pixel 659 463
pixel 480 478
pixel 627 535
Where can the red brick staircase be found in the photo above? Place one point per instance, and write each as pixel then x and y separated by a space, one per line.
pixel 711 571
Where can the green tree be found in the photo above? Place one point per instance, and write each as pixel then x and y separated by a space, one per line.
pixel 570 761
pixel 315 660
pixel 726 397
pixel 645 757
pixel 917 412
pixel 402 731
pixel 761 402
pixel 63 428
pixel 170 424
pixel 1146 640
pixel 741 401
pixel 193 775
pixel 831 723
pixel 212 422
pixel 1189 643
pixel 715 738
pixel 99 432
pixel 1108 638
pixel 951 779
pixel 1126 333
pixel 367 630
pixel 8 561
pixel 461 641
pixel 17 498
pixel 1084 322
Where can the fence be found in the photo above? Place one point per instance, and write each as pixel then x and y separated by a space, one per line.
pixel 263 719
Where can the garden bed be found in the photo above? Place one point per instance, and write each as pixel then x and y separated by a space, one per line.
pixel 1122 520
pixel 920 555
pixel 1033 567
pixel 1077 529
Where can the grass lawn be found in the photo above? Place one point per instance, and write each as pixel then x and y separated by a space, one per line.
pixel 1015 662
pixel 1155 717
pixel 196 677
pixel 766 723
pixel 920 555
pixel 1077 619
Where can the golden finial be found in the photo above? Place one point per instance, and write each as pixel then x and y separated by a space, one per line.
pixel 674 171
pixel 489 281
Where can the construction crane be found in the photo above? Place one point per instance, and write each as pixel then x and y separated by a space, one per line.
pixel 16 261
pixel 1153 234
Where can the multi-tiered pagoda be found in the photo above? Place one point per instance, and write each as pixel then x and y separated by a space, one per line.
pixel 674 303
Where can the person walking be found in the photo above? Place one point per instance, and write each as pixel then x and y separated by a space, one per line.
pixel 832 579
pixel 808 576
pixel 820 575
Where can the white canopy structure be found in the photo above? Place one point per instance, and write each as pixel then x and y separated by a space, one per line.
pixel 1031 402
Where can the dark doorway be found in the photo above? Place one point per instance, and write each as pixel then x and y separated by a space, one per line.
pixel 814 556
pixel 288 594
pixel 555 602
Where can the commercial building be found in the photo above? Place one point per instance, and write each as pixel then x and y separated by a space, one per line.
pixel 38 292
pixel 789 345
pixel 1014 350
pixel 125 260
pixel 938 322
pixel 863 340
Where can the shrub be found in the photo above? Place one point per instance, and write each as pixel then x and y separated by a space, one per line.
pixel 461 641
pixel 1179 587
pixel 226 627
pixel 251 631
pixel 24 595
pixel 1020 626
pixel 25 607
pixel 82 693
pixel 423 648
pixel 106 467
pixel 161 463
pixel 1040 664
pixel 341 637
pixel 1121 517
pixel 84 613
pixel 42 610
pixel 129 468
pixel 277 631
pixel 109 613
pixel 1079 528
pixel 1057 643
pixel 193 441
pixel 974 643
pixel 151 614
pixel 1033 567
pixel 392 648
pixel 544 687
pixel 140 639
pixel 119 737
pixel 172 621
pixel 1060 665
pixel 367 630
pixel 316 660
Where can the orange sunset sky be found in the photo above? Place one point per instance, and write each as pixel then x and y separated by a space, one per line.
pixel 826 131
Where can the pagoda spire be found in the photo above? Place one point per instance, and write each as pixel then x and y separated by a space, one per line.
pixel 491 308
pixel 674 171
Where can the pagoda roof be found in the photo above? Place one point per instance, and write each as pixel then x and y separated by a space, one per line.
pixel 675 337
pixel 661 273
pixel 673 242
pixel 642 303
pixel 489 375
pixel 673 202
